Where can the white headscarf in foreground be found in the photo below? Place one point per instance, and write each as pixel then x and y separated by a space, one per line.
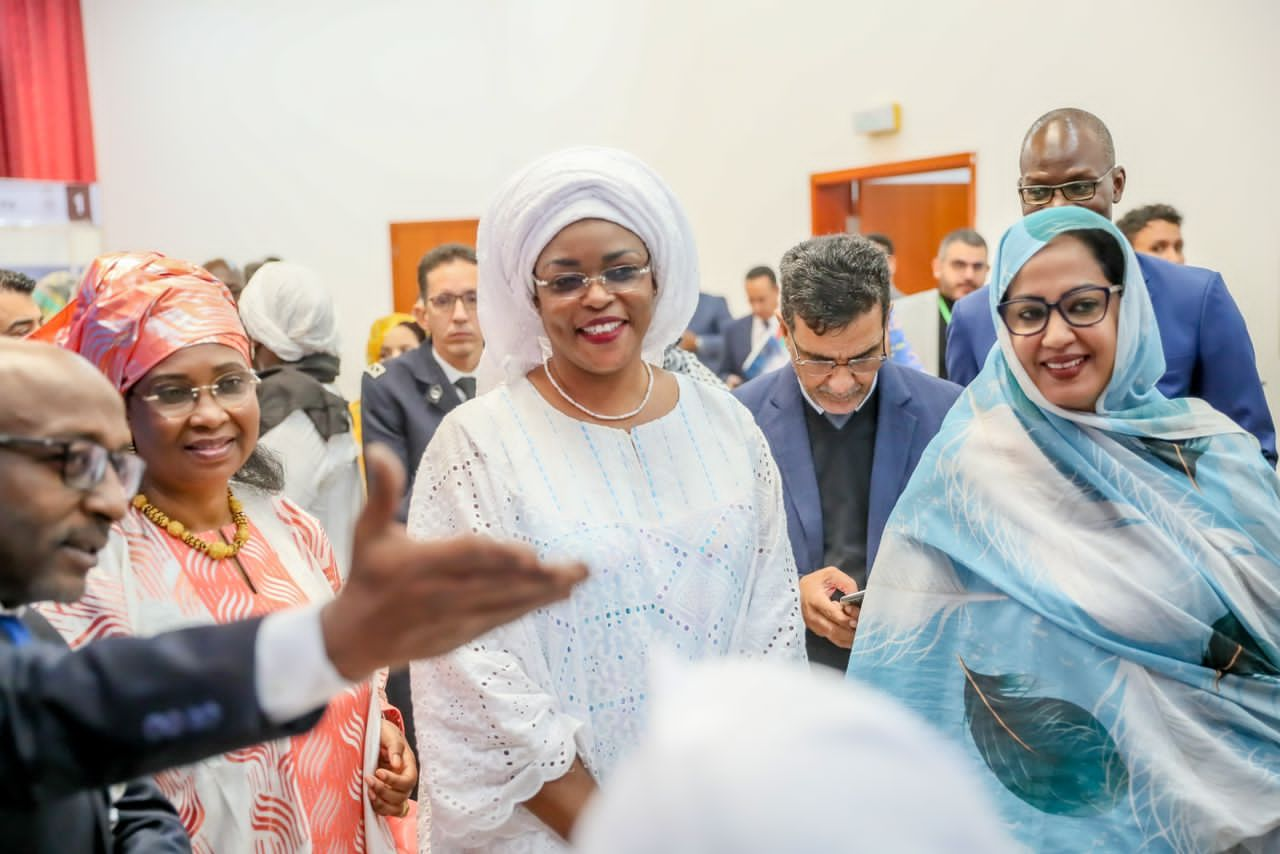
pixel 749 757
pixel 534 206
pixel 286 308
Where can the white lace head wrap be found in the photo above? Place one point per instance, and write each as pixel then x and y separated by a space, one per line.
pixel 286 308
pixel 534 206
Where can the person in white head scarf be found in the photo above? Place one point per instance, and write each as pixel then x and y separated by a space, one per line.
pixel 662 484
pixel 742 757
pixel 306 423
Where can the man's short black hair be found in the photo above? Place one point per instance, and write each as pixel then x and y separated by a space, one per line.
pixel 12 280
pixel 881 240
pixel 1139 218
pixel 438 257
pixel 763 272
pixel 829 281
pixel 967 236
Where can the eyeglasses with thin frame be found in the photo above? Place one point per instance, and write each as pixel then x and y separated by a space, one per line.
pixel 83 462
pixel 173 399
pixel 445 302
pixel 615 280
pixel 1080 307
pixel 1079 190
pixel 816 369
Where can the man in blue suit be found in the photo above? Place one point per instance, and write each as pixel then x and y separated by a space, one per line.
pixel 705 335
pixel 1068 158
pixel 404 400
pixel 752 344
pixel 846 426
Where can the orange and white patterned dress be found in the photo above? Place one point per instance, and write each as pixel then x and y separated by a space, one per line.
pixel 301 794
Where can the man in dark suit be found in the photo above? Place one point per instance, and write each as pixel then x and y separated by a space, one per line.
pixel 753 344
pixel 71 723
pixel 705 335
pixel 1068 158
pixel 405 399
pixel 846 427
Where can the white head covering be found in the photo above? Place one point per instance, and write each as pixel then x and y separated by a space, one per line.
pixel 286 308
pixel 542 199
pixel 748 757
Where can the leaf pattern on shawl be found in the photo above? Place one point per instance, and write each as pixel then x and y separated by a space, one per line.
pixel 1050 753
pixel 1182 457
pixel 1232 649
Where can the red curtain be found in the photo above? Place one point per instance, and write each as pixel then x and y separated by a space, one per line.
pixel 45 128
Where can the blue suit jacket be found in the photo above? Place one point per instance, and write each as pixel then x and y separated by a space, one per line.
pixel 1207 349
pixel 912 407
pixel 737 346
pixel 402 405
pixel 710 319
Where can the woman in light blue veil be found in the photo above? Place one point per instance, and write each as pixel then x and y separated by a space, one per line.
pixel 1084 592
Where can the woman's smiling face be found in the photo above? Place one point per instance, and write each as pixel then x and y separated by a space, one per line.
pixel 1070 365
pixel 596 329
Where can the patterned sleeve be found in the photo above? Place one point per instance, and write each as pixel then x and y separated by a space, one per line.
pixel 489 731
pixel 102 611
pixel 770 623
pixel 311 540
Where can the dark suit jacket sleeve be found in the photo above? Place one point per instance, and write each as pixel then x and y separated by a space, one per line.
pixel 148 823
pixel 964 362
pixel 1226 369
pixel 381 420
pixel 711 342
pixel 126 707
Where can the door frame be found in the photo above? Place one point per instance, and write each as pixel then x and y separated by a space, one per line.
pixel 830 196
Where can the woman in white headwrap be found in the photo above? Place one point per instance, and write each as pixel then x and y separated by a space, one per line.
pixel 661 484
pixel 305 422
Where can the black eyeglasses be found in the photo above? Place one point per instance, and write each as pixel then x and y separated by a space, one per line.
pixel 625 277
pixel 1080 190
pixel 1079 307
pixel 83 463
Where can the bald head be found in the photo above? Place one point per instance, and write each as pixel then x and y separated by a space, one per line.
pixel 1071 145
pixel 54 517
pixel 48 382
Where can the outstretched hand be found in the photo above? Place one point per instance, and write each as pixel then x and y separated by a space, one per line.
pixel 406 599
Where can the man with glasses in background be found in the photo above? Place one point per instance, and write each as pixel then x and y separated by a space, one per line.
pixel 846 426
pixel 406 398
pixel 1069 158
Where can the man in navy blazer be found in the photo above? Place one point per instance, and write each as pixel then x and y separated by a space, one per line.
pixel 705 335
pixel 1068 158
pixel 846 427
pixel 754 335
pixel 404 400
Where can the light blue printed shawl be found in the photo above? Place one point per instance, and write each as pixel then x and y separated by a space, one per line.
pixel 1088 603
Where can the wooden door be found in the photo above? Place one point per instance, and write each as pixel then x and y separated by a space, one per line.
pixel 915 217
pixel 410 241
pixel 900 200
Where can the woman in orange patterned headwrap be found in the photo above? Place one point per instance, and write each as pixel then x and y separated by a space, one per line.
pixel 207 540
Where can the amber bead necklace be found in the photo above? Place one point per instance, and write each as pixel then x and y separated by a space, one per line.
pixel 215 550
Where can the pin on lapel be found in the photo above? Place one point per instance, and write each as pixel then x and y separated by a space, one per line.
pixel 435 393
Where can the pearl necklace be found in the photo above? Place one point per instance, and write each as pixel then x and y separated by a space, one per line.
pixel 596 415
pixel 217 551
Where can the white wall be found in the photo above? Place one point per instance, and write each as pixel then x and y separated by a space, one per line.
pixel 302 127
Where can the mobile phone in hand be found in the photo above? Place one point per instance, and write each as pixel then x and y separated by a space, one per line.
pixel 854 598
